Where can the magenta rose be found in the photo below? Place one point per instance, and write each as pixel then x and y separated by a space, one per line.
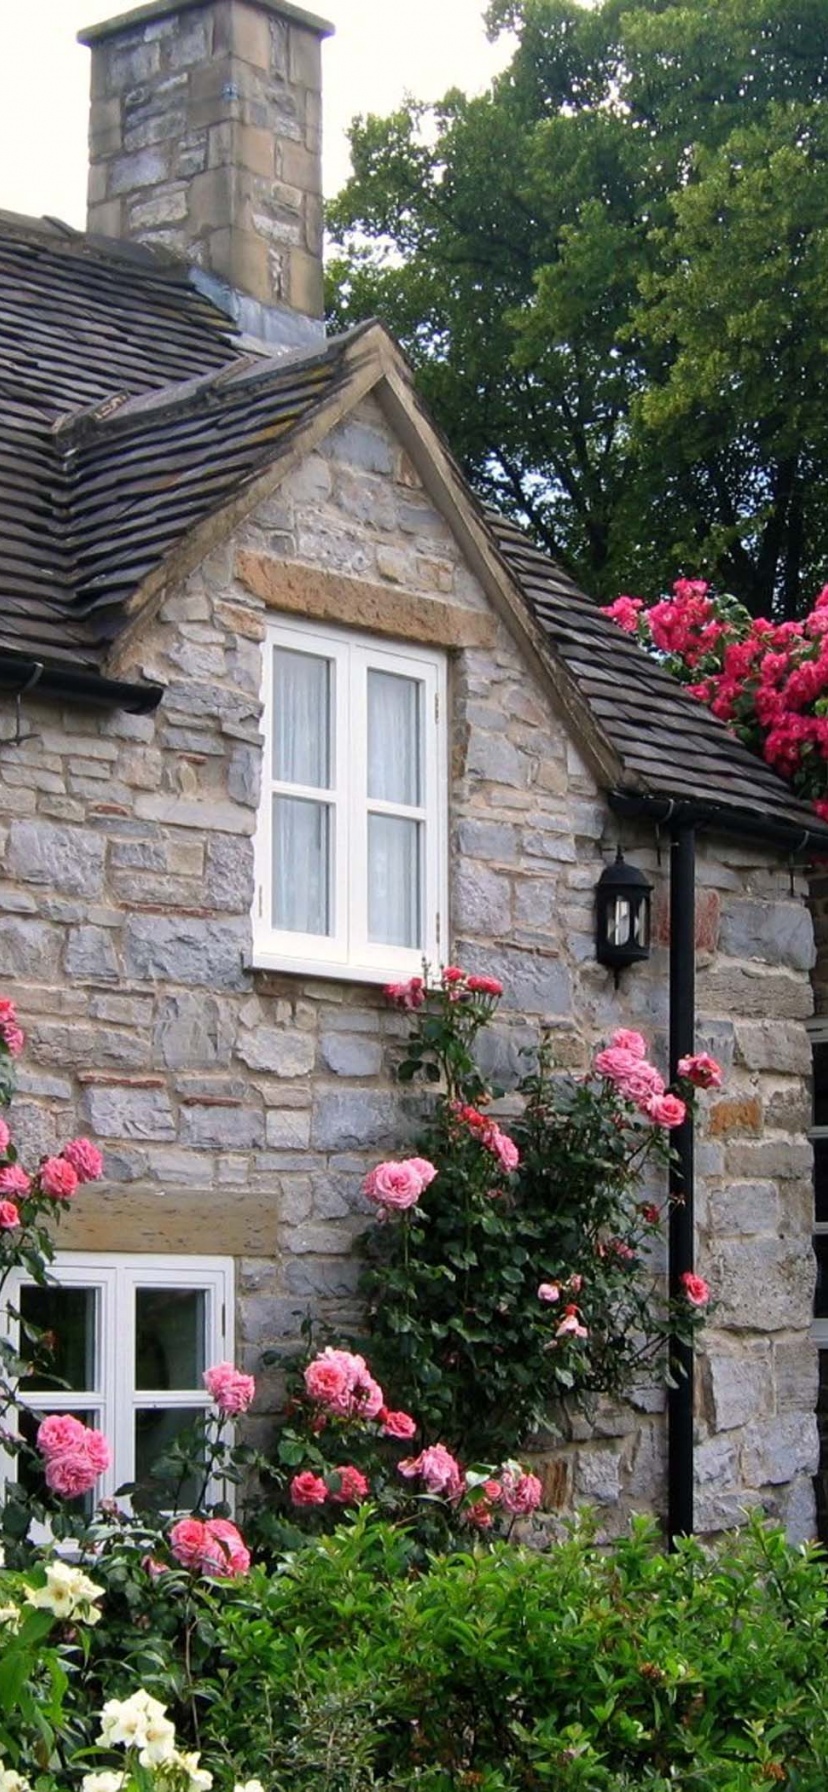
pixel 229 1388
pixel 353 1486
pixel 396 1424
pixel 14 1181
pixel 701 1070
pixel 666 1110
pixel 308 1489
pixel 85 1158
pixel 57 1178
pixel 519 1493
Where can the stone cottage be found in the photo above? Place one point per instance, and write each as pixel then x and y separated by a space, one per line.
pixel 283 710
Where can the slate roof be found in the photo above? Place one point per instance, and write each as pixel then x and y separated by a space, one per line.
pixel 130 412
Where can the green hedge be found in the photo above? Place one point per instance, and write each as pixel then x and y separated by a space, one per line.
pixel 585 1669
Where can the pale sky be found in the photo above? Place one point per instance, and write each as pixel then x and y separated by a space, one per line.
pixel 382 49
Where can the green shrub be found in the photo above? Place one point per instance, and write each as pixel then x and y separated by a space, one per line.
pixel 504 1669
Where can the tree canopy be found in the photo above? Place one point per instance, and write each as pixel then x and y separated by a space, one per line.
pixel 611 274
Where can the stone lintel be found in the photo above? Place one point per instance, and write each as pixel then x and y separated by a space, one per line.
pixel 356 603
pixel 186 1220
pixel 164 9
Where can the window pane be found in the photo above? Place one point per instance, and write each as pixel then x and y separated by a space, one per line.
pixel 821 1293
pixel 394 881
pixel 169 1337
pixel 394 738
pixel 66 1352
pixel 821 1083
pixel 301 865
pixel 302 718
pixel 821 1180
pixel 156 1428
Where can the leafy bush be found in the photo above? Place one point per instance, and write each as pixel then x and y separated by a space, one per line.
pixel 523 1269
pixel 580 1670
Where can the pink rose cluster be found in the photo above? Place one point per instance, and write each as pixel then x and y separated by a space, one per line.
pixel 340 1383
pixel 454 982
pixel 701 1070
pixel 767 681
pixel 491 1137
pixel 513 1490
pixel 624 1063
pixel 11 1035
pixel 350 1487
pixel 229 1388
pixel 394 1187
pixel 211 1546
pixel 74 1454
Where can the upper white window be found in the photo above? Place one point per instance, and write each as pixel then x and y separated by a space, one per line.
pixel 351 837
pixel 130 1338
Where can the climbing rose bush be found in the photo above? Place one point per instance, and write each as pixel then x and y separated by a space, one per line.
pixel 767 681
pixel 525 1270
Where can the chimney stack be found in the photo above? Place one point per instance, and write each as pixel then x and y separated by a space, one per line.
pixel 205 138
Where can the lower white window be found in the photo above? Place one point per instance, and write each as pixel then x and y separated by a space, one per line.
pixel 129 1340
pixel 352 827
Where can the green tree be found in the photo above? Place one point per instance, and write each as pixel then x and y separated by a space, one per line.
pixel 610 272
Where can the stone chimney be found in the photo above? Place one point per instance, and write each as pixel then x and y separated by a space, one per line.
pixel 205 139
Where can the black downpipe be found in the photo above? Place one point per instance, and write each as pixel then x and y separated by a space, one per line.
pixel 680 1475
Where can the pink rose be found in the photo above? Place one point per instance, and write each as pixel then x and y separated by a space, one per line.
pixel 58 1433
pixel 634 1078
pixel 575 1284
pixel 57 1178
pixel 231 1390
pixel 425 1170
pixel 520 1493
pixel 10 1033
pixel 5 1137
pixel 408 995
pixel 14 1181
pixel 397 1185
pixel 549 1291
pixel 341 1382
pixel 452 975
pixel 396 1424
pixel 484 986
pixel 9 1216
pixel 666 1110
pixel 85 1159
pixel 625 1040
pixel 71 1474
pixel 187 1540
pixel 437 1468
pixel 326 1383
pixel 353 1487
pixel 642 1085
pixel 224 1551
pixel 702 1070
pixel 695 1289
pixel 502 1147
pixel 570 1326
pixel 97 1449
pixel 308 1489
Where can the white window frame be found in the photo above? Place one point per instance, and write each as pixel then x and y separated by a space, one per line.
pixel 112 1404
pixel 347 952
pixel 818 1035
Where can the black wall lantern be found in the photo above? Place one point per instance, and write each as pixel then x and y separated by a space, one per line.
pixel 622 932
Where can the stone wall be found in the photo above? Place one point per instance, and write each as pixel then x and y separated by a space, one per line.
pixel 239 1110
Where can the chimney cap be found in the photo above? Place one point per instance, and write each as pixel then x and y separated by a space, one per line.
pixel 160 9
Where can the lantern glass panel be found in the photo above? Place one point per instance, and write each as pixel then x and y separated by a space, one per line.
pixel 641 923
pixel 618 931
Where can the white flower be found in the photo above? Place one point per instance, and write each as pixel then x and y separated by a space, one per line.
pixel 248 1786
pixel 10 1616
pixel 103 1782
pixel 177 1764
pixel 11 1781
pixel 138 1722
pixel 68 1593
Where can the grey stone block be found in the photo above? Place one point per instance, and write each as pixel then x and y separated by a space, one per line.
pixel 91 956
pixel 185 950
pixel 776 932
pixel 69 860
pixel 222 1129
pixel 778 1449
pixel 29 949
pixel 192 1032
pixel 533 982
pixel 286 1054
pixel 360 1117
pixel 123 1112
pixel 350 1054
